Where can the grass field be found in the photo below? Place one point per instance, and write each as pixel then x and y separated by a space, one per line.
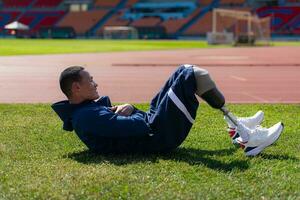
pixel 40 161
pixel 28 47
pixel 37 46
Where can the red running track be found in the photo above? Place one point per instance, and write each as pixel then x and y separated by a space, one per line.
pixel 245 75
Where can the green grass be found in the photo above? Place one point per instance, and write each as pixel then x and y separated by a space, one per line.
pixel 28 47
pixel 48 46
pixel 40 161
pixel 288 43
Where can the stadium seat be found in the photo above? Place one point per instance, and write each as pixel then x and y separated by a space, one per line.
pixel 204 2
pixel 293 1
pixel 173 25
pixel 110 3
pixel 38 19
pixel 115 20
pixel 232 2
pixel 47 3
pixel 7 16
pixel 200 27
pixel 149 21
pixel 130 3
pixel 42 13
pixel 285 19
pixel 16 3
pixel 82 21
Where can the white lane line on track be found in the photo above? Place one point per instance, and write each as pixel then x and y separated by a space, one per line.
pixel 238 78
pixel 261 100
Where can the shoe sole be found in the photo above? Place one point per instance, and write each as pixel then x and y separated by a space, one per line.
pixel 260 148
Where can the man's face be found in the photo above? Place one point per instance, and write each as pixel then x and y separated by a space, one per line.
pixel 87 88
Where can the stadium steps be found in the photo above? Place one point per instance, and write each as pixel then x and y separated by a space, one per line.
pixel 100 23
pixel 202 12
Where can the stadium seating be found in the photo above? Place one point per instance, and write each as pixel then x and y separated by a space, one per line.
pixel 34 19
pixel 201 26
pixel 49 21
pixel 148 21
pixel 204 2
pixel 6 17
pixel 115 20
pixel 110 3
pixel 285 20
pixel 177 17
pixel 38 19
pixel 16 3
pixel 164 10
pixel 293 1
pixel 173 25
pixel 232 2
pixel 47 3
pixel 130 3
pixel 82 21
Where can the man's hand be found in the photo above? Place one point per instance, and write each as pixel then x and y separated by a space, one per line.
pixel 124 110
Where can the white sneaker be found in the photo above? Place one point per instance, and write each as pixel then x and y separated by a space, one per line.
pixel 250 122
pixel 260 138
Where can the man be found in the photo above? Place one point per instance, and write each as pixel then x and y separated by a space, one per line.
pixel 105 128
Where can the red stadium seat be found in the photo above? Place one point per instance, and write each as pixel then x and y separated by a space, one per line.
pixel 38 19
pixel 16 3
pixel 7 17
pixel 232 2
pixel 47 3
pixel 285 19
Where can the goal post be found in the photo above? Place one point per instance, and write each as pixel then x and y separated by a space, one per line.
pixel 238 27
pixel 262 28
pixel 120 32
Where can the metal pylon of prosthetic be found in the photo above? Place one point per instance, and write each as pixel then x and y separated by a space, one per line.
pixel 230 116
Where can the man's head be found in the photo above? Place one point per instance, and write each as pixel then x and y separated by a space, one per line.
pixel 78 85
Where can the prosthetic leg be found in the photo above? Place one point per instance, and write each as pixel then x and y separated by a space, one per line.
pixel 253 140
pixel 207 90
pixel 216 100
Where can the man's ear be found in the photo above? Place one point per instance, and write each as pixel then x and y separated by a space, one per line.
pixel 75 87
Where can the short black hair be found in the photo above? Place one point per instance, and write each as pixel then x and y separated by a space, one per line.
pixel 67 77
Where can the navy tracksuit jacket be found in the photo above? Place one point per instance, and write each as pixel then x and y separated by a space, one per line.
pixel 163 128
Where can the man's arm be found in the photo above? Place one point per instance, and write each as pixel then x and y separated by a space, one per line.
pixel 109 124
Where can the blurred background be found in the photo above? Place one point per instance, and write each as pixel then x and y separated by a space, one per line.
pixel 219 21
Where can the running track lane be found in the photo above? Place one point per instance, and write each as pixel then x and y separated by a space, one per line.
pixel 245 75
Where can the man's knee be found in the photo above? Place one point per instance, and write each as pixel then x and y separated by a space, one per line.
pixel 199 71
pixel 207 89
pixel 203 80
